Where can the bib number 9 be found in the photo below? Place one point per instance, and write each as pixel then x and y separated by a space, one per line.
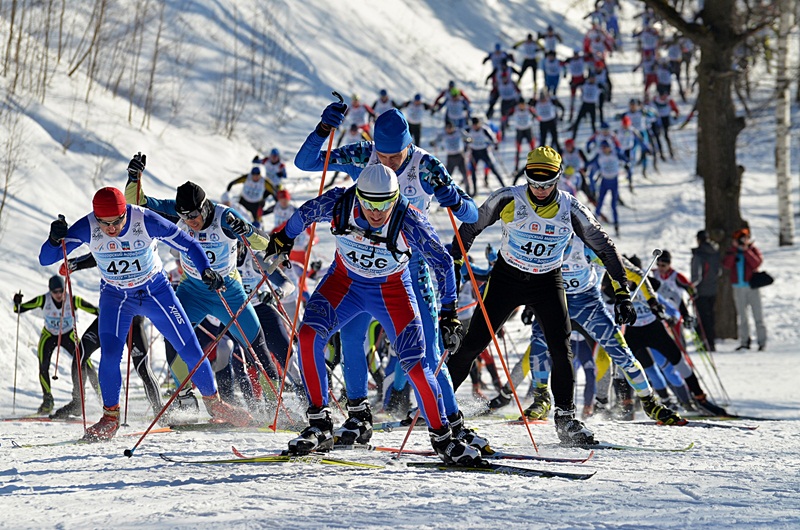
pixel 211 257
pixel 123 266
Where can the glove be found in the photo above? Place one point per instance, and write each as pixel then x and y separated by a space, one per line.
pixel 458 264
pixel 17 300
pixel 451 328
pixel 71 265
pixel 332 116
pixel 690 322
pixel 279 244
pixel 136 166
pixel 448 196
pixel 623 307
pixel 527 315
pixel 58 230
pixel 657 309
pixel 213 280
pixel 239 226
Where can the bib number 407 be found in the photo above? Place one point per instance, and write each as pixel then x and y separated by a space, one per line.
pixel 539 249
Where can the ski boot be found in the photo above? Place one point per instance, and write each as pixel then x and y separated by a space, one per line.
pixel 399 401
pixel 659 412
pixel 500 400
pixel 318 436
pixel 47 405
pixel 357 429
pixel 460 432
pixel 571 431
pixel 73 408
pixel 708 408
pixel 601 409
pixel 452 451
pixel 106 428
pixel 540 407
pixel 223 412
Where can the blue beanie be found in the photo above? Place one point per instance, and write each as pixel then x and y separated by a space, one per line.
pixel 391 132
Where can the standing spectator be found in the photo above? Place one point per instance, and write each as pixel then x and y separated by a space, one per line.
pixel 705 272
pixel 743 259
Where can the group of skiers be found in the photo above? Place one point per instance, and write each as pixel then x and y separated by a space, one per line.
pixel 390 266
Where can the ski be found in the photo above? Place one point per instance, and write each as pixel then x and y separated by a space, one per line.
pixel 216 426
pixel 312 458
pixel 502 469
pixel 79 441
pixel 519 421
pixel 497 455
pixel 620 447
pixel 729 417
pixel 389 426
pixel 702 424
pixel 42 419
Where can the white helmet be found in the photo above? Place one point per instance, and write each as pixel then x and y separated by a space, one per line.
pixel 226 198
pixel 377 183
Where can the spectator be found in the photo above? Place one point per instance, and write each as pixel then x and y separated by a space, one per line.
pixel 705 273
pixel 743 259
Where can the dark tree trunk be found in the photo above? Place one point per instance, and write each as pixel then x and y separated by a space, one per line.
pixel 716 35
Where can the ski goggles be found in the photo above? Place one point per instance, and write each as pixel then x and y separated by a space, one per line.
pixel 373 205
pixel 116 222
pixel 542 184
pixel 191 215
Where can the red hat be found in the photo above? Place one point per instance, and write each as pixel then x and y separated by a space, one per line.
pixel 626 121
pixel 108 202
pixel 284 194
pixel 569 142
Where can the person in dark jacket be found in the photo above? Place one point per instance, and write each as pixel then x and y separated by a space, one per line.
pixel 705 273
pixel 743 259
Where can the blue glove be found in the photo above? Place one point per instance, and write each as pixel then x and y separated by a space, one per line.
pixel 448 196
pixel 333 115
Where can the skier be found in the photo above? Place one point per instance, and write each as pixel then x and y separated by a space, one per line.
pixel 480 139
pixel 457 109
pixel 530 52
pixel 551 67
pixel 255 191
pixel 522 117
pixel 59 328
pixel 577 70
pixel 547 115
pixel 454 142
pixel 607 162
pixel 414 110
pixel 498 57
pixel 274 169
pixel 383 103
pixel 360 114
pixel 538 221
pixel 590 317
pixel 422 178
pixel 123 241
pixel 376 232
pixel 218 230
pixel 667 109
pixel 590 99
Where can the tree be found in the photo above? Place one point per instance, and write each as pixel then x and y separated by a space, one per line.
pixel 716 31
pixel 783 128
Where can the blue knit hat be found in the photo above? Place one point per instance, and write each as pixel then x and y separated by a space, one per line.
pixel 391 132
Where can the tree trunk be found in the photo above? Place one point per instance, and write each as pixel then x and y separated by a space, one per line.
pixel 783 130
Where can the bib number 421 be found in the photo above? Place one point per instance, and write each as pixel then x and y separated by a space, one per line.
pixel 122 266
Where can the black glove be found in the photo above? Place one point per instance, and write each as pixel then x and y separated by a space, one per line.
pixel 279 244
pixel 58 230
pixel 213 279
pixel 136 166
pixel 17 300
pixel 690 322
pixel 527 315
pixel 657 309
pixel 623 307
pixel 239 226
pixel 451 328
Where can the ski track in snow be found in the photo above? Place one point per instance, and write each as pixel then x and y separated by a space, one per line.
pixel 731 479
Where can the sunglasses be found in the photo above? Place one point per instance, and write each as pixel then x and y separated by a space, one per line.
pixel 662 264
pixel 380 206
pixel 535 184
pixel 116 222
pixel 191 215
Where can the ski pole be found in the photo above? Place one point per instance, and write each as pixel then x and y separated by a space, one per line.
pixel 656 254
pixel 302 283
pixel 58 342
pixel 128 377
pixel 78 356
pixel 16 359
pixel 491 329
pixel 206 353
pixel 417 415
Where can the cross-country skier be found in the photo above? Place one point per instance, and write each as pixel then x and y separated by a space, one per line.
pixel 122 240
pixel 375 231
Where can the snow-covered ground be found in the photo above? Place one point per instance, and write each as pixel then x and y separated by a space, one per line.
pixel 731 478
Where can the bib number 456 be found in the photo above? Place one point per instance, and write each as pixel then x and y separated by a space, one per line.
pixel 367 261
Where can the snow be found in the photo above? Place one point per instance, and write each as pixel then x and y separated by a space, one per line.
pixel 731 479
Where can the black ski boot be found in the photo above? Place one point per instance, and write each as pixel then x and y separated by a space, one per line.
pixel 47 405
pixel 318 436
pixel 572 431
pixel 709 408
pixel 501 400
pixel 452 451
pixel 460 432
pixel 73 408
pixel 357 429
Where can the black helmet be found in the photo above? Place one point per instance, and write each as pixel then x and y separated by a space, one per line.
pixel 191 198
pixel 56 282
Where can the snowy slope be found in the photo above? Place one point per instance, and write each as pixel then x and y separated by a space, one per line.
pixel 731 479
